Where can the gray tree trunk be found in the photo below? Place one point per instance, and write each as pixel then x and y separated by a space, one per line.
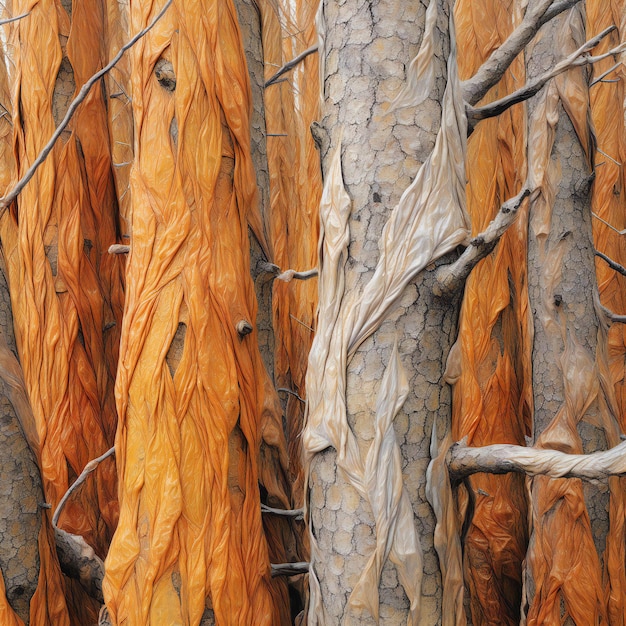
pixel 367 48
pixel 21 493
pixel 574 405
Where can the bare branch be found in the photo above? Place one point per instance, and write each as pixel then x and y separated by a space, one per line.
pixel 451 277
pixel 575 59
pixel 79 561
pixel 291 392
pixel 88 469
pixel 290 65
pixel 619 232
pixel 595 81
pixel 76 557
pixel 492 70
pixel 293 317
pixel 616 318
pixel 288 275
pixel 611 263
pixel 289 569
pixel 295 513
pixel 503 458
pixel 14 19
pixel 82 94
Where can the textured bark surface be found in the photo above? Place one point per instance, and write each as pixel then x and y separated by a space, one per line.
pixel 20 485
pixel 574 411
pixel 367 47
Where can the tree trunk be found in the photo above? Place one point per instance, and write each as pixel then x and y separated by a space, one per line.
pixel 365 49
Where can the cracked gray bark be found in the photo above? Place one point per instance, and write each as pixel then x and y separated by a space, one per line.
pixel 367 47
pixel 250 25
pixel 20 486
pixel 574 408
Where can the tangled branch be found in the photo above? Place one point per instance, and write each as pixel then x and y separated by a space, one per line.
pixel 492 70
pixel 576 59
pixel 82 94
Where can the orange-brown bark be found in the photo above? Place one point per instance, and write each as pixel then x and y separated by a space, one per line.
pixel 491 403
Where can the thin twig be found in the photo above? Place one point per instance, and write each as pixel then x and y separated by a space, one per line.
pixel 492 70
pixel 604 75
pixel 619 232
pixel 614 265
pixel 608 156
pixel 575 59
pixel 289 275
pixel 290 65
pixel 90 467
pixel 291 392
pixel 289 569
pixel 451 277
pixel 295 513
pixel 14 19
pixel 82 94
pixel 616 318
pixel 293 317
pixel 76 557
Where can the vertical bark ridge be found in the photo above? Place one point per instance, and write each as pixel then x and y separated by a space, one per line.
pixel 190 424
pixel 295 193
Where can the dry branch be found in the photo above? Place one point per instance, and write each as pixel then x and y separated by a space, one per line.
pixel 291 392
pixel 575 59
pixel 14 19
pixel 295 513
pixel 79 561
pixel 290 65
pixel 289 569
pixel 289 275
pixel 452 277
pixel 616 318
pixel 614 265
pixel 602 76
pixel 492 70
pixel 76 557
pixel 88 469
pixel 504 458
pixel 82 94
